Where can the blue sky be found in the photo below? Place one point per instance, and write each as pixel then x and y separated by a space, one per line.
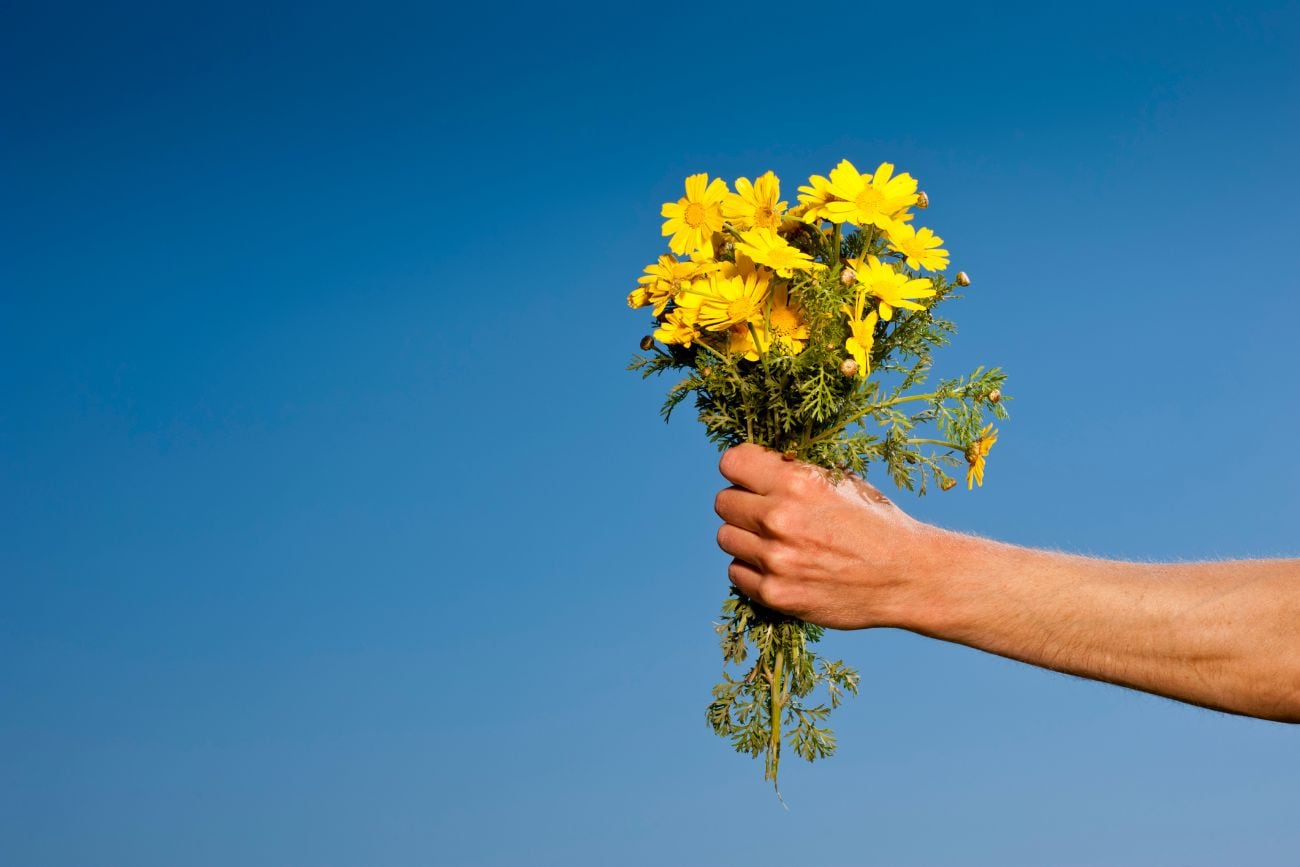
pixel 334 531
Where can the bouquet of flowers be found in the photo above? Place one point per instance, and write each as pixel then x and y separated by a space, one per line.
pixel 810 331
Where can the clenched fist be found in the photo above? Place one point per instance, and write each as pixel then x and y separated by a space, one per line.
pixel 839 555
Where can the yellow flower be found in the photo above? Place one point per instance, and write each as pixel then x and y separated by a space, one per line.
pixel 723 301
pixel 784 327
pixel 694 218
pixel 814 198
pixel 665 279
pixel 638 297
pixel 976 452
pixel 869 200
pixel 891 288
pixel 768 248
pixel 755 205
pixel 742 267
pixel 740 340
pixel 862 333
pixel 786 323
pixel 678 328
pixel 919 247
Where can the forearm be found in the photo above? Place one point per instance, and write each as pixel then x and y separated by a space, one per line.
pixel 1221 635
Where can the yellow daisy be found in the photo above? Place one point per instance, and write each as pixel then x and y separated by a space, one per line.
pixel 869 200
pixel 722 301
pixel 740 340
pixel 786 325
pixel 768 248
pixel 891 288
pixel 678 328
pixel 862 333
pixel 742 267
pixel 976 452
pixel 920 247
pixel 665 279
pixel 694 218
pixel 814 198
pixel 755 205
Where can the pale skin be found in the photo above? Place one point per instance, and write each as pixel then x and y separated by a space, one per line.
pixel 1222 635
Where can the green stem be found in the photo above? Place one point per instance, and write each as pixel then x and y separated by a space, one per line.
pixel 920 441
pixel 893 400
pixel 758 347
pixel 767 374
pixel 774 744
pixel 703 345
pixel 835 242
pixel 832 433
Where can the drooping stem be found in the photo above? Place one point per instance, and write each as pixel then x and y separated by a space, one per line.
pixel 832 432
pixel 925 441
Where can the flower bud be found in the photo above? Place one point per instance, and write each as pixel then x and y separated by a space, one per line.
pixel 647 343
pixel 963 279
pixel 706 371
pixel 922 200
pixel 789 455
pixel 848 276
pixel 849 367
pixel 995 396
pixel 638 297
pixel 948 484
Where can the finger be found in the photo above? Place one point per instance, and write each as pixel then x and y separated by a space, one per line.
pixel 738 506
pixel 752 467
pixel 747 579
pixel 741 543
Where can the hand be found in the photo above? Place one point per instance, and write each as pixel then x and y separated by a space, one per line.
pixel 842 556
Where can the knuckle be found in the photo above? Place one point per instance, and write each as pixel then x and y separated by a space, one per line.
pixel 779 521
pixel 778 560
pixel 798 483
pixel 781 595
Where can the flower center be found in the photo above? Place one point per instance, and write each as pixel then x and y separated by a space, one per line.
pixel 783 320
pixel 740 309
pixel 763 216
pixel 694 215
pixel 870 200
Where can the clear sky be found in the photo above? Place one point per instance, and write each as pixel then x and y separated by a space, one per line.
pixel 333 532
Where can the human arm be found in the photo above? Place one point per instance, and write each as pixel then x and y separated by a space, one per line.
pixel 1223 635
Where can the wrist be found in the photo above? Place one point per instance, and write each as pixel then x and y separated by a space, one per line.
pixel 943 589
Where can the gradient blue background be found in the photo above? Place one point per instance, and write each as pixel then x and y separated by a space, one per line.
pixel 334 532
